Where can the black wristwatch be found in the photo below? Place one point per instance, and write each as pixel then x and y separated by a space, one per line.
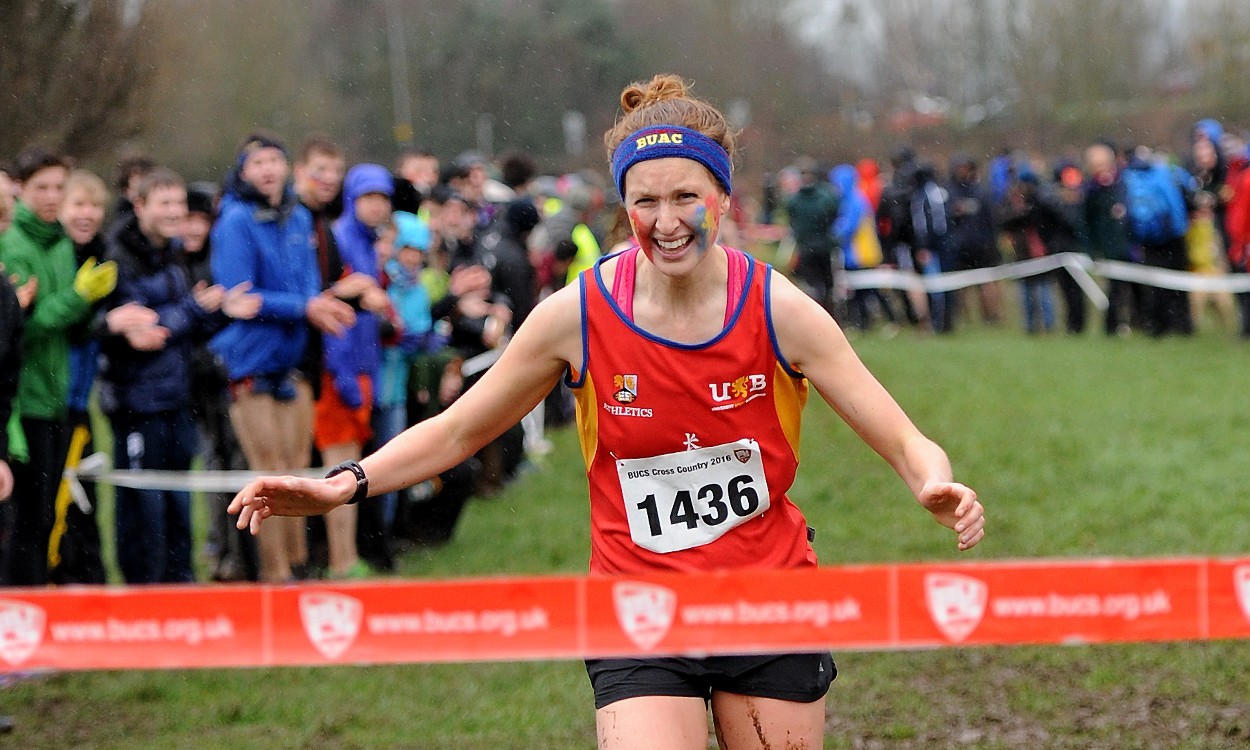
pixel 362 481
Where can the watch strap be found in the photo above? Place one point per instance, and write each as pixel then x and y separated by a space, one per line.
pixel 362 482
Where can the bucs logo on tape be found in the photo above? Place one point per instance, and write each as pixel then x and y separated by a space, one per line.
pixel 644 611
pixel 331 621
pixel 956 603
pixel 21 630
pixel 1241 582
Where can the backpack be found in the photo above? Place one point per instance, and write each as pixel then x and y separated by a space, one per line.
pixel 1151 205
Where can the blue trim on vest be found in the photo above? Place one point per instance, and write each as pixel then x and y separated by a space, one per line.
pixel 568 376
pixel 733 320
pixel 772 329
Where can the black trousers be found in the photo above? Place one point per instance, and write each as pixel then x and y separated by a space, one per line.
pixel 1167 310
pixel 31 510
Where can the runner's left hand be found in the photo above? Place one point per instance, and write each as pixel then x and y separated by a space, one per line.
pixel 956 507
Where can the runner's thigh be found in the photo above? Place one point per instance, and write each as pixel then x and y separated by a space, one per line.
pixel 744 722
pixel 653 722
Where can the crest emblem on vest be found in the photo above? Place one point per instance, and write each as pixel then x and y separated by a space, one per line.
pixel 956 603
pixel 644 611
pixel 742 454
pixel 1241 582
pixel 21 630
pixel 625 387
pixel 331 621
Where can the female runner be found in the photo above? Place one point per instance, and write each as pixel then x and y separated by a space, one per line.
pixel 675 346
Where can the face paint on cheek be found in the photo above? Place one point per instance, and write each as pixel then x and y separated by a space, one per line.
pixel 706 225
pixel 643 238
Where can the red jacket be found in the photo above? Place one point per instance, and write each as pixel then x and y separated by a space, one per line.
pixel 1237 211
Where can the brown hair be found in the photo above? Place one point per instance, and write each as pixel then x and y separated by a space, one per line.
pixel 159 177
pixel 36 158
pixel 666 100
pixel 317 143
pixel 130 168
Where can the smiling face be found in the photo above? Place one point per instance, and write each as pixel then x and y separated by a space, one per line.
pixel 82 215
pixel 162 212
pixel 675 207
pixel 195 230
pixel 319 178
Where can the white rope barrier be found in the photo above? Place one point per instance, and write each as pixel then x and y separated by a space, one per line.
pixel 1078 265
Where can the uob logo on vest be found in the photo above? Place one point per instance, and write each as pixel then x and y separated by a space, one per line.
pixel 730 395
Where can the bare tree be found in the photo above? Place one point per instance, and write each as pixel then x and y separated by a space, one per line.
pixel 73 73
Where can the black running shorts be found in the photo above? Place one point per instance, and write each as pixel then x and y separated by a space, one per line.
pixel 802 678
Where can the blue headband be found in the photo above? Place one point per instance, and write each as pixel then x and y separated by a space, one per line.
pixel 664 141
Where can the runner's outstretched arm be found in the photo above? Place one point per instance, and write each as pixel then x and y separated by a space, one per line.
pixel 815 345
pixel 528 369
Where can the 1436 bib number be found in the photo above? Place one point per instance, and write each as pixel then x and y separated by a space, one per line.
pixel 681 500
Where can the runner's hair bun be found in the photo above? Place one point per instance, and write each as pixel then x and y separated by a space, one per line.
pixel 661 87
pixel 666 100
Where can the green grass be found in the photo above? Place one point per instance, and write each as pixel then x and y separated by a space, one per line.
pixel 1078 446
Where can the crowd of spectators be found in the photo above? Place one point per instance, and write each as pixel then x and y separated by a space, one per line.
pixel 300 312
pixel 291 316
pixel 1182 211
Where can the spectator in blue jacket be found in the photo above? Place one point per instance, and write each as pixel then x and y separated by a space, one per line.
pixel 264 237
pixel 855 230
pixel 416 336
pixel 341 425
pixel 145 377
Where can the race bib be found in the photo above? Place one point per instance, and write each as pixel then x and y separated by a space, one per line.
pixel 690 498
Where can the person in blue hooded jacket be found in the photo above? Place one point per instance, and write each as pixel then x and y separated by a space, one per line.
pixel 855 230
pixel 263 236
pixel 353 358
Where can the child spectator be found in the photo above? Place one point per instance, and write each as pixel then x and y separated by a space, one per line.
pixel 416 336
pixel 341 425
pixel 11 319
pixel 75 541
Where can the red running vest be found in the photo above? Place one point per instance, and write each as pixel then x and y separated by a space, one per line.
pixel 640 396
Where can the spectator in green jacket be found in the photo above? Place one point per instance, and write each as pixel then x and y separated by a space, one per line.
pixel 36 246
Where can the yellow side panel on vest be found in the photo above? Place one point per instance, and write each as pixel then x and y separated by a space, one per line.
pixel 789 397
pixel 587 419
